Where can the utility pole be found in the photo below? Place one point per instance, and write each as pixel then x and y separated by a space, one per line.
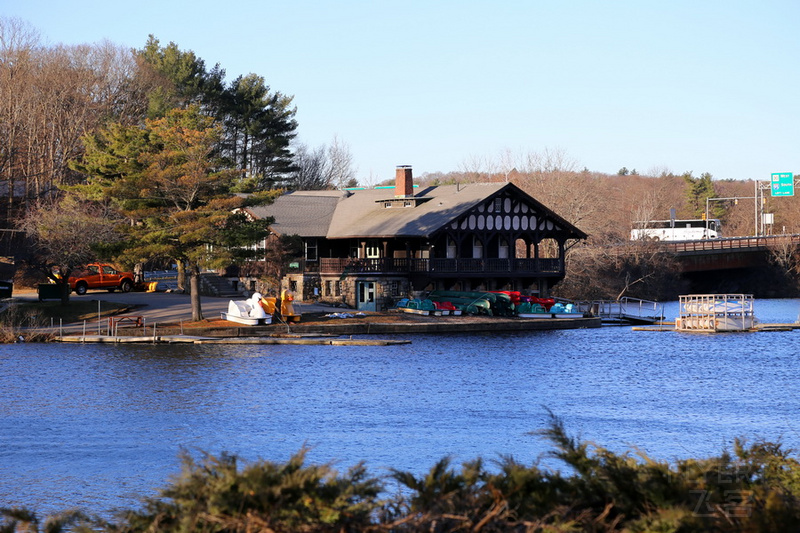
pixel 755 207
pixel 734 198
pixel 758 214
pixel 758 206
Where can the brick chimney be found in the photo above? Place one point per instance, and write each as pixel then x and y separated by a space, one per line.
pixel 403 183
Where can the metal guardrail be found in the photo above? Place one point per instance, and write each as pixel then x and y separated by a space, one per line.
pixel 159 275
pixel 734 243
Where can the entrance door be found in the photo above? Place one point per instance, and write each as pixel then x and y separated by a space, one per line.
pixel 366 296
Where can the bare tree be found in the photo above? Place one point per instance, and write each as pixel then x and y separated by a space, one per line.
pixel 341 172
pixel 551 177
pixel 311 168
pixel 323 167
pixel 658 171
pixel 610 271
pixel 475 169
pixel 646 209
pixel 49 98
pixel 783 253
pixel 18 45
pixel 548 161
pixel 787 214
pixel 650 204
pixel 66 234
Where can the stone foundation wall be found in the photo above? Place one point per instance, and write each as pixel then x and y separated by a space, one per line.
pixel 387 290
pixel 305 286
pixel 311 287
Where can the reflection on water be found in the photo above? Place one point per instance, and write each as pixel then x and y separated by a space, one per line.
pixel 99 426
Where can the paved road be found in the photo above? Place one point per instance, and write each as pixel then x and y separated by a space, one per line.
pixel 159 307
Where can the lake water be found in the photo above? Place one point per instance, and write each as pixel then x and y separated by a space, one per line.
pixel 98 427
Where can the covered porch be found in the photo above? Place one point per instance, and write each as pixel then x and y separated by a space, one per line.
pixel 443 267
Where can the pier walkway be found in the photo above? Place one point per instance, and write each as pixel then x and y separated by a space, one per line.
pixel 624 311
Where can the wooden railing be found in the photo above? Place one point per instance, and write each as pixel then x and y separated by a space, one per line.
pixel 440 266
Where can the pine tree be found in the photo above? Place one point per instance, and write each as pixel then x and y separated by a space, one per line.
pixel 699 190
pixel 258 123
pixel 259 127
pixel 166 180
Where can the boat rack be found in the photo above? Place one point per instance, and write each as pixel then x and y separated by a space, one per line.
pixel 715 312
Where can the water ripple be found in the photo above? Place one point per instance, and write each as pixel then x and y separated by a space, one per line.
pixel 99 426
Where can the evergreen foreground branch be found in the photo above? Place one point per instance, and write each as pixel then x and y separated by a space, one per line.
pixel 755 489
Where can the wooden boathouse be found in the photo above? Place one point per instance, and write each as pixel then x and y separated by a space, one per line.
pixel 370 247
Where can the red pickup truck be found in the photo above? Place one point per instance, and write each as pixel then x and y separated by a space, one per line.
pixel 101 276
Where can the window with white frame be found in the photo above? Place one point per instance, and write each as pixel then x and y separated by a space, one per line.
pixel 311 250
pixel 477 248
pixel 373 250
pixel 452 249
pixel 502 251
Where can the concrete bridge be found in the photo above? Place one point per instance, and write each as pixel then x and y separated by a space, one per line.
pixel 731 253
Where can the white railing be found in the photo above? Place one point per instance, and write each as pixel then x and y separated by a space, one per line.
pixel 625 309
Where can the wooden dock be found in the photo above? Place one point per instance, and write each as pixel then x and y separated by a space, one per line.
pixel 670 326
pixel 192 339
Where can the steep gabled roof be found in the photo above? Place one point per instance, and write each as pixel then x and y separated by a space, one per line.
pixel 363 213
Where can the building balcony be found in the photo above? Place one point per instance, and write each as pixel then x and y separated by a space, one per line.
pixel 438 267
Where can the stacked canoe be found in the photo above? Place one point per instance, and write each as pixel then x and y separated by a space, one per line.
pixel 476 302
pixel 427 306
pixel 488 303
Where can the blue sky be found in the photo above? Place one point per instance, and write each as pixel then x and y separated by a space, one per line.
pixel 702 86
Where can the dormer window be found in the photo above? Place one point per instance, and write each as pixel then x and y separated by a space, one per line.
pixel 402 202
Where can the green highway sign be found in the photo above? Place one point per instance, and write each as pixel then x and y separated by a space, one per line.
pixel 782 184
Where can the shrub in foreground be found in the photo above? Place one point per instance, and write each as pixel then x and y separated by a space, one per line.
pixel 755 489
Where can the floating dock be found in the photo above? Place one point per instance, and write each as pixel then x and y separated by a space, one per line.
pixel 193 339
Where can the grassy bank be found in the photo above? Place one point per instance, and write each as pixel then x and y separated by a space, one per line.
pixel 38 321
